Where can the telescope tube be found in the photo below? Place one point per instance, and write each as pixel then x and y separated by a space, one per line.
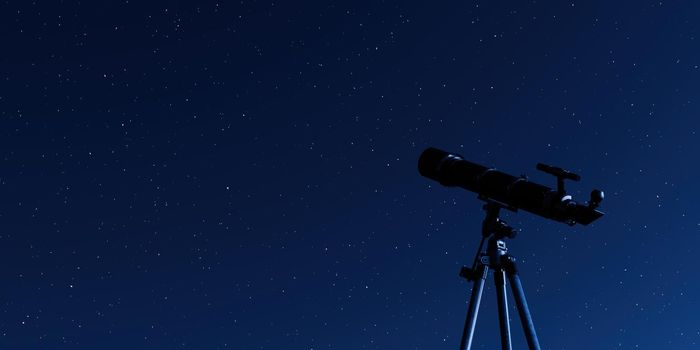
pixel 453 170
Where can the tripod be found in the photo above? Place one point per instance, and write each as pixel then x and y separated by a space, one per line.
pixel 496 257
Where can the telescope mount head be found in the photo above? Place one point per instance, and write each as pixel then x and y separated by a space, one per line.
pixel 493 225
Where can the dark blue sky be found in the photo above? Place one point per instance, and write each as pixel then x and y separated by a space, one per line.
pixel 194 175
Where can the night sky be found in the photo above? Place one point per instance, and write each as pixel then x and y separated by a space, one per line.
pixel 243 175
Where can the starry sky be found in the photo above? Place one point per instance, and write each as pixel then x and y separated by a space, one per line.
pixel 242 175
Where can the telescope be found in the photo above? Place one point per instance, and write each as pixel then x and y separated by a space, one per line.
pixel 509 191
pixel 501 190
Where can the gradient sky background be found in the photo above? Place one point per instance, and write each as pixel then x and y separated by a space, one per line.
pixel 242 175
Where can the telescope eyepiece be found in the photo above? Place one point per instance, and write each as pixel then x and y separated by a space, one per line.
pixel 597 196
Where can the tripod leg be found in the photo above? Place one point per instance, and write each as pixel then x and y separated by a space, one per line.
pixel 523 310
pixel 503 321
pixel 473 311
